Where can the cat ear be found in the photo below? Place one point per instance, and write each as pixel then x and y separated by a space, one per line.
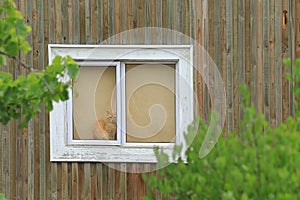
pixel 107 113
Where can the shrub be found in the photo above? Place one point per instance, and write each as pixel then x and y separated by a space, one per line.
pixel 258 162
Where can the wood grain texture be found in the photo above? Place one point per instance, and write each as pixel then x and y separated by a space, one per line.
pixel 247 40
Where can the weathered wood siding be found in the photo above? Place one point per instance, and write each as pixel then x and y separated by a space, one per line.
pixel 246 39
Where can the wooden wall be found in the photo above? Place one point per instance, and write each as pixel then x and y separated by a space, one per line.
pixel 246 39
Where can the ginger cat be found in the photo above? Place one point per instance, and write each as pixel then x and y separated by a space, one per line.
pixel 106 128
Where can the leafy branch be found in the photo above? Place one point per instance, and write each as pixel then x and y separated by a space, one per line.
pixel 21 98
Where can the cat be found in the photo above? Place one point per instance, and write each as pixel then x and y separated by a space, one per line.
pixel 106 128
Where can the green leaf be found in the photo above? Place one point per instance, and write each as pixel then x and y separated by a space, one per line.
pixel 287 62
pixel 56 68
pixel 72 70
pixel 2 60
pixel 2 197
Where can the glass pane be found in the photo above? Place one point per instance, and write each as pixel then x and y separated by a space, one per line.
pixel 150 99
pixel 94 104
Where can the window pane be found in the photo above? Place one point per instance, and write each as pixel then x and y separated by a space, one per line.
pixel 94 104
pixel 150 99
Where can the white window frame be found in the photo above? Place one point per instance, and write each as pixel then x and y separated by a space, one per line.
pixel 64 148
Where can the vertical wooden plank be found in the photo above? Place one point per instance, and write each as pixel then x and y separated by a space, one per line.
pixel 59 186
pixel 248 43
pixel 129 20
pixel 51 18
pixel 87 181
pixel 70 21
pixel 94 17
pixel 163 5
pixel 76 22
pixel 65 22
pixel 29 61
pixel 40 138
pixel 134 9
pixel 210 60
pixel 105 19
pixel 111 27
pixel 291 35
pixel 6 158
pixel 75 181
pixel 93 181
pixel 63 167
pixel 46 137
pixel 235 30
pixel 24 160
pixel 82 24
pixel 51 167
pixel 192 20
pixel 64 181
pixel 104 182
pixel 35 53
pixel 240 53
pixel 117 180
pixel 99 188
pixel 170 6
pixel 111 182
pixel 140 7
pixel 223 68
pixel 58 22
pixel 87 16
pixel 123 185
pixel 19 139
pixel 266 59
pixel 147 14
pixel 285 54
pixel 253 61
pixel 278 61
pixel 70 182
pixel 186 20
pixel 140 21
pixel 117 17
pixel 177 20
pixel 216 34
pixel 147 23
pixel 159 20
pixel 153 13
pixel 130 182
pixel 123 20
pixel 53 181
pixel 229 66
pixel 81 181
pixel 100 22
pixel 259 44
pixel 205 44
pixel 272 64
pixel 199 56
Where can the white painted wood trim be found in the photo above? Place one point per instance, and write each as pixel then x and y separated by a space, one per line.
pixel 60 121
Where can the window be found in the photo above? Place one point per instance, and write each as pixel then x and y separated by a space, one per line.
pixel 127 99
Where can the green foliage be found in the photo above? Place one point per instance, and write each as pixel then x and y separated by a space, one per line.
pixel 22 97
pixel 13 31
pixel 258 162
pixel 294 78
pixel 2 197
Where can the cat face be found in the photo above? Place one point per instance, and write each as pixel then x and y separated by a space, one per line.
pixel 110 117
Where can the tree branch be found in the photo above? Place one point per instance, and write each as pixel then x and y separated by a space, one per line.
pixel 31 69
pixel 19 61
